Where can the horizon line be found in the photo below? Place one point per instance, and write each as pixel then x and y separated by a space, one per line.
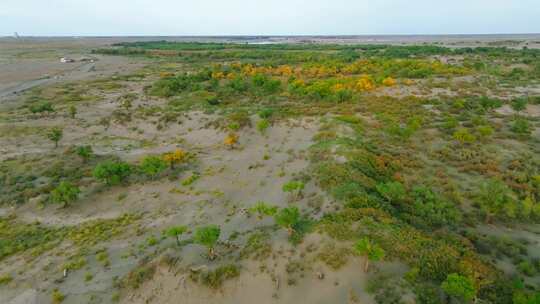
pixel 259 35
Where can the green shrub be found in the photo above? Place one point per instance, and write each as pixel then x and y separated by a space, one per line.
pixel 5 279
pixel 519 104
pixel 112 172
pixel 430 210
pixel 459 286
pixel 85 152
pixel 40 107
pixel 288 218
pixel 262 125
pixel 152 166
pixel 521 126
pixel 263 209
pixel 65 194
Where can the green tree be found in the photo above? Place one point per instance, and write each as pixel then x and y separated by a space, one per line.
pixel 55 135
pixel 370 250
pixel 112 172
pixel 85 152
pixel 288 218
pixel 208 236
pixel 65 193
pixel 153 165
pixel 176 232
pixel 459 287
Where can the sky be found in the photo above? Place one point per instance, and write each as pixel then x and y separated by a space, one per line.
pixel 267 17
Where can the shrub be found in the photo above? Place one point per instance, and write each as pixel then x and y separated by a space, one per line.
pixel 112 172
pixel 521 126
pixel 429 209
pixel 485 131
pixel 57 297
pixel 262 125
pixel 463 136
pixel 288 218
pixel 85 152
pixel 40 107
pixel 459 286
pixel 176 157
pixel 5 279
pixel 266 113
pixel 65 194
pixel 208 236
pixel 519 104
pixel 152 166
pixel 389 82
pixel 496 199
pixel 392 191
pixel 263 209
pixel 231 140
pixel 294 187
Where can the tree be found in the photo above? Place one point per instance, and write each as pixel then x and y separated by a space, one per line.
pixel 153 165
pixel 112 172
pixel 294 187
pixel 208 236
pixel 176 232
pixel 370 250
pixel 65 194
pixel 85 152
pixel 288 218
pixel 459 286
pixel 176 157
pixel 263 209
pixel 55 135
pixel 231 140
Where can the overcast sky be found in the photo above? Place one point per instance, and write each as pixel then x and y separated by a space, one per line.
pixel 267 17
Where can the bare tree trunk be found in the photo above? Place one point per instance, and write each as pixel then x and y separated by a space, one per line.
pixel 366 265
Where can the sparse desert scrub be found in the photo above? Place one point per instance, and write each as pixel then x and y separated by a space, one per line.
pixel 424 153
